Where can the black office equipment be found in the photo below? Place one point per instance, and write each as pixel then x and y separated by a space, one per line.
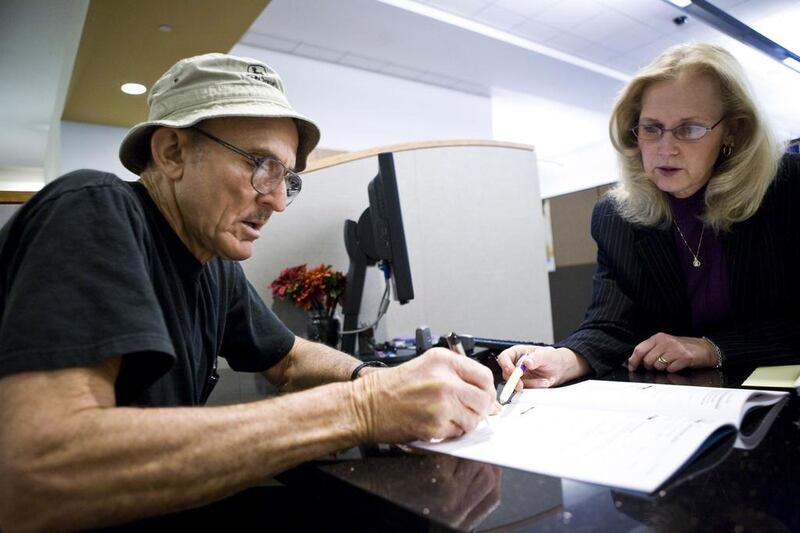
pixel 377 238
pixel 423 339
pixel 501 344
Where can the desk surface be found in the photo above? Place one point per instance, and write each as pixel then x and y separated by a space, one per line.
pixel 387 490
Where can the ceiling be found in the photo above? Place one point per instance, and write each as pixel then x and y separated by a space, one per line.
pixel 618 36
pixel 140 51
pixel 66 59
pixel 555 40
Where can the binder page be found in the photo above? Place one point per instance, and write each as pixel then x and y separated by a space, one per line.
pixel 626 450
pixel 724 406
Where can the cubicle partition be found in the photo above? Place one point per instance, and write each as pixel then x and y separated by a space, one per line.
pixel 473 222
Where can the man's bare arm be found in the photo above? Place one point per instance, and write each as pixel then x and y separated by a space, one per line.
pixel 70 458
pixel 309 364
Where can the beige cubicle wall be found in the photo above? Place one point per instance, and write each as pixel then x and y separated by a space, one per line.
pixel 473 224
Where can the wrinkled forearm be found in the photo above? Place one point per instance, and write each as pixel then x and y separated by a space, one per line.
pixel 104 466
pixel 312 364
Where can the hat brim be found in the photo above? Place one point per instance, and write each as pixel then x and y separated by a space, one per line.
pixel 134 152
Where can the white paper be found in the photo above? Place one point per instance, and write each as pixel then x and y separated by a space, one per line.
pixel 628 435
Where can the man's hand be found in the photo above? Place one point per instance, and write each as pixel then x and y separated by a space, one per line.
pixel 667 353
pixel 437 395
pixel 545 366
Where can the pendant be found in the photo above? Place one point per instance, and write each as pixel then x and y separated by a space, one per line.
pixel 696 262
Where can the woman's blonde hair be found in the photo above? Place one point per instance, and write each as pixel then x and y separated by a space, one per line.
pixel 739 182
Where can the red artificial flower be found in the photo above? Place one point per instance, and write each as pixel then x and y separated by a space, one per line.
pixel 318 289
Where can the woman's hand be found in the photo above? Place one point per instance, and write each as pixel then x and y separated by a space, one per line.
pixel 545 366
pixel 667 353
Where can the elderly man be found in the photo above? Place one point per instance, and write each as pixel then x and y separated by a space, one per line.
pixel 117 298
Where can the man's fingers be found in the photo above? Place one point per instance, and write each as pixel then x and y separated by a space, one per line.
pixel 475 374
pixel 475 399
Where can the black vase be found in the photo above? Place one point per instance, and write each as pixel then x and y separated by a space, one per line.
pixel 323 329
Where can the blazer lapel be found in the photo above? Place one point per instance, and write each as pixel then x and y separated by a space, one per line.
pixel 656 251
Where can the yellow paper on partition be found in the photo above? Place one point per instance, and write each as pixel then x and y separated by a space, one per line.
pixel 785 377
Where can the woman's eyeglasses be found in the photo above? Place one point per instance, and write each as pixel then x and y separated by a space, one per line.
pixel 684 132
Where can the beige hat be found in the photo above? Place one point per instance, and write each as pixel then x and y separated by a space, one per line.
pixel 212 86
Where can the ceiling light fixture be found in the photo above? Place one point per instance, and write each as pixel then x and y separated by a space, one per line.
pixel 733 27
pixel 508 38
pixel 165 28
pixel 133 88
pixel 680 3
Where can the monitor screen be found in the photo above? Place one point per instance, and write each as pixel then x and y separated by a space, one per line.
pixel 377 238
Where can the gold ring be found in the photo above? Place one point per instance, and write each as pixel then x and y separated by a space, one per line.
pixel 662 360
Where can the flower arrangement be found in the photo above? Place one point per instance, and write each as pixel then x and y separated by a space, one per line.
pixel 317 289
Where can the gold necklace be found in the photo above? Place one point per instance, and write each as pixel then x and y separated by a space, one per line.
pixel 696 263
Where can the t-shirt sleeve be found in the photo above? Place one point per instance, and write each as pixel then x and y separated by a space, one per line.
pixel 75 285
pixel 254 338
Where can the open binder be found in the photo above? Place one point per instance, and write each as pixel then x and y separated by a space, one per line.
pixel 634 436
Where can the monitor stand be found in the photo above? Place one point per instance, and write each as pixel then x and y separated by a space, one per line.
pixel 354 288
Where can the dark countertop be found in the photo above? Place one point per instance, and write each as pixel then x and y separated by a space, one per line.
pixel 386 489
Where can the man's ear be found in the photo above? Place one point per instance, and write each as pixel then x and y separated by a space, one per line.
pixel 168 149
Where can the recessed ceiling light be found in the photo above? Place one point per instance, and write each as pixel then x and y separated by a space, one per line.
pixel 680 3
pixel 133 88
pixel 165 28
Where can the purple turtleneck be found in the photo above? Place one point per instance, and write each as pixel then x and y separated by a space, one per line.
pixel 707 285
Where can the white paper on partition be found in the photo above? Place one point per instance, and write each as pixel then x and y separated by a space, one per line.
pixel 632 450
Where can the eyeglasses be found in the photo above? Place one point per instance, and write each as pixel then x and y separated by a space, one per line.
pixel 268 172
pixel 684 132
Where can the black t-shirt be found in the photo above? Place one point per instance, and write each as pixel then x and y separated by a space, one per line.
pixel 89 269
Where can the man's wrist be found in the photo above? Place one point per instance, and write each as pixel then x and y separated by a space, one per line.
pixel 359 370
pixel 362 396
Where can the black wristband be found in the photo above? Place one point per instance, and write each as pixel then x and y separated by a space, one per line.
pixel 357 370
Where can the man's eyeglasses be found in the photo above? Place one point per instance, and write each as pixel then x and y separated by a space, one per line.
pixel 684 132
pixel 268 172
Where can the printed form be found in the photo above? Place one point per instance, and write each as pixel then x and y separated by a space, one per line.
pixel 628 435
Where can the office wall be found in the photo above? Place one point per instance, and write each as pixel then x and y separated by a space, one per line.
pixel 571 141
pixel 575 257
pixel 91 146
pixel 6 212
pixel 357 109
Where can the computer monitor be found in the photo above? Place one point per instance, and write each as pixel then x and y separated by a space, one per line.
pixel 377 238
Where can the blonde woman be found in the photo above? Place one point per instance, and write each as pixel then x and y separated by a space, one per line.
pixel 699 244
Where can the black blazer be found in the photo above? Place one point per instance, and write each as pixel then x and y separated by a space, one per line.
pixel 639 288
